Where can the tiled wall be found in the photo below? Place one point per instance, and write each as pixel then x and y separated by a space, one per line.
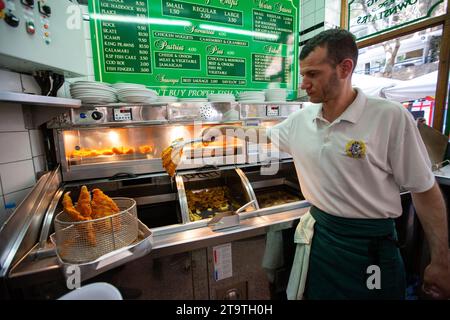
pixel 22 156
pixel 312 18
pixel 316 16
pixel 65 90
pixel 22 153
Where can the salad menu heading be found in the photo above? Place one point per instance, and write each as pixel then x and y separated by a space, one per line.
pixel 193 48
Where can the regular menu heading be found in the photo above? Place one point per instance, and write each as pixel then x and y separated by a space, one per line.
pixel 192 48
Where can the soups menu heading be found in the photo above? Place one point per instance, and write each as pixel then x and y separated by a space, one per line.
pixel 193 48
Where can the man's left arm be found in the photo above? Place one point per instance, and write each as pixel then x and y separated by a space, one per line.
pixel 430 208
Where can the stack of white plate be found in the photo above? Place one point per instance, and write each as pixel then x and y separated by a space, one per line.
pixel 135 94
pixel 123 85
pixel 276 95
pixel 167 99
pixel 252 96
pixel 193 100
pixel 93 92
pixel 221 97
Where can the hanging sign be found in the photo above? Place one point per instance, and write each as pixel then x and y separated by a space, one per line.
pixel 191 48
pixel 370 17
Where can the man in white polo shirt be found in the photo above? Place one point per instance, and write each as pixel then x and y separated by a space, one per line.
pixel 353 154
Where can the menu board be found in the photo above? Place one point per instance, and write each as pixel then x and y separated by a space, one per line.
pixel 191 48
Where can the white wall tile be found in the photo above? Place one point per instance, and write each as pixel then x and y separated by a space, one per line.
pixel 306 36
pixel 17 176
pixel 84 9
pixel 309 8
pixel 87 30
pixel 29 85
pixel 90 67
pixel 320 4
pixel 73 80
pixel 39 164
pixel 308 21
pixel 37 142
pixel 319 16
pixel 10 81
pixel 89 53
pixel 17 197
pixel 11 117
pixel 15 146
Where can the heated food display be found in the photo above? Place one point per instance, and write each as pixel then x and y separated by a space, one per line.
pixel 275 198
pixel 90 152
pixel 206 203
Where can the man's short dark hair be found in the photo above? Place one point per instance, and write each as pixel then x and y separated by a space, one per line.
pixel 340 45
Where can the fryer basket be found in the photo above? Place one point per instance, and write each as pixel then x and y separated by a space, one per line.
pixel 84 241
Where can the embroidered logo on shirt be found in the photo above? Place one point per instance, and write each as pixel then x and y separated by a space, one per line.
pixel 355 149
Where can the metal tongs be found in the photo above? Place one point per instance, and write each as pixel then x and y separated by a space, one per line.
pixel 227 219
pixel 179 144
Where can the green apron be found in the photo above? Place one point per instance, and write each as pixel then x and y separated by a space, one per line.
pixel 341 252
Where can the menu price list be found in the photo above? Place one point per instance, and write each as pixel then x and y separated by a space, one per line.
pixel 126 47
pixel 228 82
pixel 226 66
pixel 179 36
pixel 173 60
pixel 262 66
pixel 279 25
pixel 201 12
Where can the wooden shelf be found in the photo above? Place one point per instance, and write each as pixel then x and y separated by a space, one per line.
pixel 24 98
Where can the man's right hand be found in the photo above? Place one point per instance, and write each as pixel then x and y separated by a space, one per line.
pixel 436 282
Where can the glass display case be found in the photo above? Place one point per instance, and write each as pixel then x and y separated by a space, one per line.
pixel 93 152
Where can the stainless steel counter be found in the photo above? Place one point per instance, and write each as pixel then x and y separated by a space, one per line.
pixel 165 243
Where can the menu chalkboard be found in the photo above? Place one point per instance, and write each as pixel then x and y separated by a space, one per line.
pixel 190 48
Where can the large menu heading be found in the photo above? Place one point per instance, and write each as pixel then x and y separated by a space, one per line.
pixel 191 48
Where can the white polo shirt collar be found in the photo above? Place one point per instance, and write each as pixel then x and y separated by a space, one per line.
pixel 352 113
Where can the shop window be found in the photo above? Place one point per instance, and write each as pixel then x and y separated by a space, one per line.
pixel 368 18
pixel 408 67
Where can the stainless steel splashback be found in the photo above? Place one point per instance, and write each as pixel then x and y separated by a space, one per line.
pixel 21 231
pixel 109 140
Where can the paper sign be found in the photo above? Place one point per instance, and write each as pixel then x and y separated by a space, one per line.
pixel 223 265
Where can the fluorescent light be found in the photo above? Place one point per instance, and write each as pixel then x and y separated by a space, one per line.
pixel 140 20
pixel 240 31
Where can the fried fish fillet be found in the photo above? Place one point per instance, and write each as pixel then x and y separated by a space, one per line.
pixel 102 205
pixel 171 157
pixel 84 202
pixel 70 209
pixel 86 230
